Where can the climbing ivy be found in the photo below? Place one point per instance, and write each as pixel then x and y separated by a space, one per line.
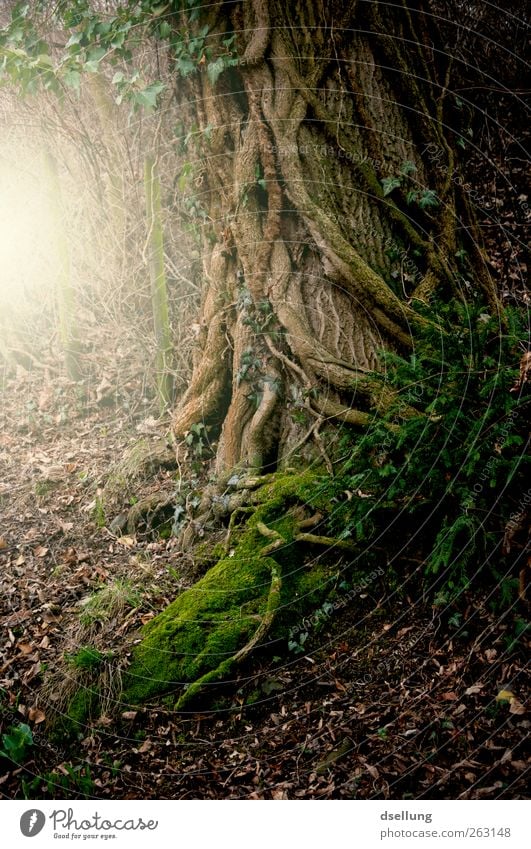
pixel 93 41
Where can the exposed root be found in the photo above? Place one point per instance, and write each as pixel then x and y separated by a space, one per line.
pixel 329 542
pixel 215 675
pixel 147 510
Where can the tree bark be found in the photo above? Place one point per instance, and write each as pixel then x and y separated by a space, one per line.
pixel 313 263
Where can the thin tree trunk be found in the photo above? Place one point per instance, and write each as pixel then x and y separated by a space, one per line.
pixel 65 292
pixel 159 292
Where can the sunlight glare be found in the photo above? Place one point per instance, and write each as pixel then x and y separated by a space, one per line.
pixel 28 256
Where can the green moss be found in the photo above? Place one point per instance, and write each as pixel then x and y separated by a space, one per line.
pixel 86 657
pixel 197 636
pixel 82 707
pixel 203 627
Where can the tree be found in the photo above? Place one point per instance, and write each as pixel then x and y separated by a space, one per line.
pixel 328 138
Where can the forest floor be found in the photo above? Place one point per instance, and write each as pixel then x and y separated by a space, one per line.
pixel 391 698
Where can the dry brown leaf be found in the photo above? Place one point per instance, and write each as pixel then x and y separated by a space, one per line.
pixel 372 770
pixel 40 551
pixel 516 707
pixel 126 541
pixel 129 714
pixel 279 794
pixel 36 715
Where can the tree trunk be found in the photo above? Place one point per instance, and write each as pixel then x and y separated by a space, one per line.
pixel 326 173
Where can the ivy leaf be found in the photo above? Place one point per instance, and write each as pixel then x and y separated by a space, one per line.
pixel 408 167
pixel 16 742
pixel 215 69
pixel 148 97
pixel 75 39
pixel 389 184
pixel 118 40
pixel 185 66
pixel 94 58
pixel 428 198
pixel 72 79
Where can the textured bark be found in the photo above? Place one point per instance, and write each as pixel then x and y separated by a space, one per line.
pixel 328 99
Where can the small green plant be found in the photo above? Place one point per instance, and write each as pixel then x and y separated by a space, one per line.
pixel 197 439
pixel 77 781
pixel 456 620
pixel 16 743
pixel 44 487
pixel 251 365
pixel 296 641
pixel 516 639
pixel 87 657
pixel 424 198
pixel 389 184
pixel 99 512
pixel 109 602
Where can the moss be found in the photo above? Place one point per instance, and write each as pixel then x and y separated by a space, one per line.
pixel 203 627
pixel 82 707
pixel 87 657
pixel 198 635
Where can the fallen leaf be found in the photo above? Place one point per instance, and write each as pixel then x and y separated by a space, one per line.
pixel 126 541
pixel 373 772
pixel 40 551
pixel 504 696
pixel 36 715
pixel 129 714
pixel 516 707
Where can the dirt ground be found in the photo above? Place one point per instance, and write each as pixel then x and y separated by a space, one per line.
pixel 390 698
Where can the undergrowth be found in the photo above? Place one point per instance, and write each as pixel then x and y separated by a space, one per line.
pixel 440 474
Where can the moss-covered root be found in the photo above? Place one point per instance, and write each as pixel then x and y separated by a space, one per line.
pixel 227 666
pixel 220 620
